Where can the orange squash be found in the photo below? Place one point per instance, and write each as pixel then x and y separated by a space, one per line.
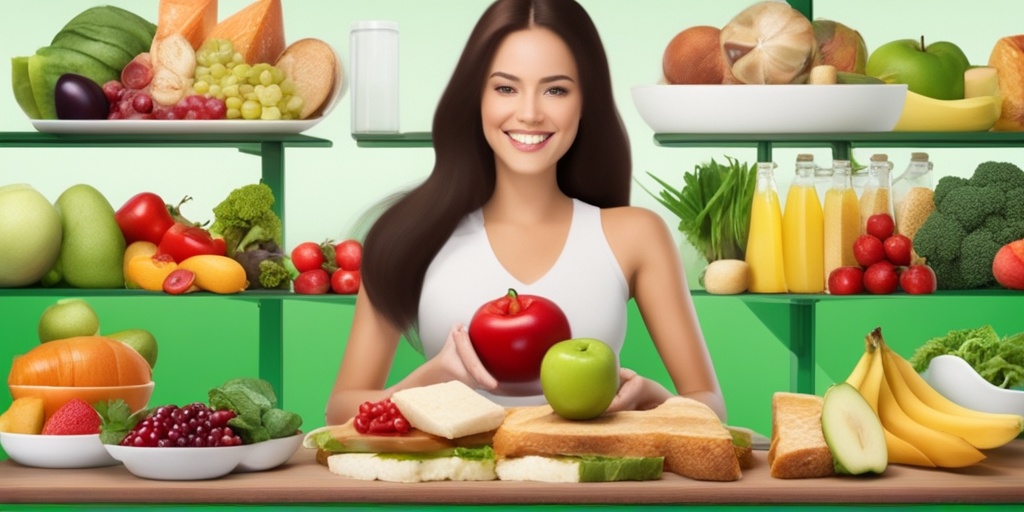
pixel 256 31
pixel 80 362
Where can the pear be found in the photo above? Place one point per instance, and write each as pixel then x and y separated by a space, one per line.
pixel 141 340
pixel 852 432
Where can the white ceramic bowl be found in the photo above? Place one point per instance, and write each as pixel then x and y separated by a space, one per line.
pixel 769 108
pixel 958 381
pixel 62 452
pixel 179 463
pixel 269 454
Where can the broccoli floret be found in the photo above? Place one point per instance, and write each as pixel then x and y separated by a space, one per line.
pixel 1014 209
pixel 274 275
pixel 976 255
pixel 1002 175
pixel 945 185
pixel 939 238
pixel 970 205
pixel 266 266
pixel 246 217
pixel 947 274
pixel 951 343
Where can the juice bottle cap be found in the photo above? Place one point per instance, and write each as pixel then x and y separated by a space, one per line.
pixel 919 157
pixel 804 157
pixel 879 157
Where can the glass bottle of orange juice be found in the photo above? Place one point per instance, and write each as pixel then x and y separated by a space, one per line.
pixel 842 220
pixel 764 241
pixel 803 231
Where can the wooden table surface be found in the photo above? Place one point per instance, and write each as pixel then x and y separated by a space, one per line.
pixel 998 479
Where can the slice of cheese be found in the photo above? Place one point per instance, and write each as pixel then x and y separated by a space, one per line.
pixel 193 19
pixel 256 31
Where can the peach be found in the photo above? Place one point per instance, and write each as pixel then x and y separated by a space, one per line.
pixel 1008 265
pixel 1008 58
pixel 840 46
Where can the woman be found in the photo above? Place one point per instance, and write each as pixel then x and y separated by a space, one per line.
pixel 536 200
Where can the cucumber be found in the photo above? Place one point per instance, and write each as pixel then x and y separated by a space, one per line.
pixel 50 62
pixel 23 87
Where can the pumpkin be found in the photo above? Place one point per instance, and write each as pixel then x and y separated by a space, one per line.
pixel 83 361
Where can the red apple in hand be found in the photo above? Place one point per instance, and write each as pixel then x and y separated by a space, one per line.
pixel 511 334
pixel 897 250
pixel 846 281
pixel 880 226
pixel 881 278
pixel 868 250
pixel 918 280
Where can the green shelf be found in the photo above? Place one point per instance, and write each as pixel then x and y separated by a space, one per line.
pixel 394 140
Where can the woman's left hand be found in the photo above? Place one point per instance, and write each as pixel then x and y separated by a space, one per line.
pixel 636 392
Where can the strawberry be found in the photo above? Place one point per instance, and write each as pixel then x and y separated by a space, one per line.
pixel 76 417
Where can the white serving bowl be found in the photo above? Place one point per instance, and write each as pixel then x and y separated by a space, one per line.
pixel 955 379
pixel 60 452
pixel 798 108
pixel 179 463
pixel 269 454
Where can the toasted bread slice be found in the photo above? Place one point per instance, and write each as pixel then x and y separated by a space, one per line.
pixel 798 448
pixel 313 67
pixel 687 433
pixel 449 409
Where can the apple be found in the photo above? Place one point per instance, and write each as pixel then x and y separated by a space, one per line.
pixel 580 378
pixel 348 255
pixel 846 281
pixel 918 280
pixel 936 70
pixel 345 282
pixel 1008 265
pixel 840 46
pixel 881 278
pixel 897 249
pixel 880 225
pixel 868 250
pixel 512 333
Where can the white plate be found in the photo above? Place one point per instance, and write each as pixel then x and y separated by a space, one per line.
pixel 60 452
pixel 769 108
pixel 167 127
pixel 955 379
pixel 179 463
pixel 269 454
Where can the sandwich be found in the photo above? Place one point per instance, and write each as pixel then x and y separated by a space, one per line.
pixel 798 448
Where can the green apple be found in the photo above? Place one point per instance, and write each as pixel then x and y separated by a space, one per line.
pixel 68 318
pixel 935 70
pixel 141 340
pixel 579 377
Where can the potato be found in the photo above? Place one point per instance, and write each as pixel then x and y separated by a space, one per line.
pixel 727 277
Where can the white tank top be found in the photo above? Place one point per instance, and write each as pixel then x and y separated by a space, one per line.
pixel 586 282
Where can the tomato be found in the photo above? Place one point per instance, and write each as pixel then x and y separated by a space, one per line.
pixel 182 242
pixel 345 282
pixel 144 217
pixel 307 256
pixel 312 282
pixel 348 255
pixel 511 334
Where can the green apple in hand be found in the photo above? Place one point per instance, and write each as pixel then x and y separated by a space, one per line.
pixel 935 70
pixel 579 377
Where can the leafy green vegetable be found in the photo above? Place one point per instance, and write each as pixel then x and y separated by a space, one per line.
pixel 713 207
pixel 255 405
pixel 116 420
pixel 482 453
pixel 999 361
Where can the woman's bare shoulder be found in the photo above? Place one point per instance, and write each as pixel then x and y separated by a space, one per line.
pixel 633 221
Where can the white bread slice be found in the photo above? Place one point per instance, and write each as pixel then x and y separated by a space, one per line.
pixel 798 448
pixel 449 409
pixel 687 433
pixel 370 466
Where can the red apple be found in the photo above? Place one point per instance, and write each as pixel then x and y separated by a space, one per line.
pixel 868 250
pixel 846 281
pixel 1008 265
pixel 880 225
pixel 881 278
pixel 512 333
pixel 918 280
pixel 345 282
pixel 897 250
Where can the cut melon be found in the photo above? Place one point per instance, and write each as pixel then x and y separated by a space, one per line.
pixel 193 19
pixel 853 432
pixel 256 32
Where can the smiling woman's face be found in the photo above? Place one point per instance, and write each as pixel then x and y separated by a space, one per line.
pixel 531 102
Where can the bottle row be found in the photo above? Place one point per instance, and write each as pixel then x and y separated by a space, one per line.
pixel 796 248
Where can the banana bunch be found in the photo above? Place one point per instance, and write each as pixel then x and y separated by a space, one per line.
pixel 922 427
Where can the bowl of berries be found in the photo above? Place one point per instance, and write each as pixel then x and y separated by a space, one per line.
pixel 68 438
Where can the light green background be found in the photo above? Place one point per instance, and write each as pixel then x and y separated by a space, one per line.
pixel 205 341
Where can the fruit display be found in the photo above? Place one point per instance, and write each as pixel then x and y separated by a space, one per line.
pixel 327 267
pixel 108 63
pixel 922 427
pixel 885 263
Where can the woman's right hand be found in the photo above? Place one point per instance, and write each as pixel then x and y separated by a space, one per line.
pixel 457 360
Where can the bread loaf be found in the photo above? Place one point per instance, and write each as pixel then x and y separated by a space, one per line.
pixel 798 448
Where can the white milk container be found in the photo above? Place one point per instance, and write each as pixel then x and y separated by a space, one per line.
pixel 373 51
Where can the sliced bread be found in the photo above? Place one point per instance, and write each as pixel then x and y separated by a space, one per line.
pixel 798 448
pixel 449 409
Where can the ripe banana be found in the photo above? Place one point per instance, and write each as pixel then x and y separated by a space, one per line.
pixel 983 431
pixel 942 449
pixel 924 114
pixel 856 377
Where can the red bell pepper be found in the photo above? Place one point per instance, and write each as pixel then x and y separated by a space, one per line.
pixel 183 241
pixel 144 217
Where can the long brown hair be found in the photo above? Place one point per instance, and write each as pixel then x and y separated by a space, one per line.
pixel 596 169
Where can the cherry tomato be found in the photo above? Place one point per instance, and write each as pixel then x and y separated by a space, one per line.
pixel 144 217
pixel 345 282
pixel 348 255
pixel 307 256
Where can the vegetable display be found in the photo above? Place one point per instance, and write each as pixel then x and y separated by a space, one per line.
pixel 81 361
pixel 998 360
pixel 973 218
pixel 252 234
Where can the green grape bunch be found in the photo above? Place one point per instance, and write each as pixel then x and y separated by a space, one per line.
pixel 257 91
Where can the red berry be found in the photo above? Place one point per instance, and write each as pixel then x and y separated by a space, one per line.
pixel 897 250
pixel 76 417
pixel 881 278
pixel 142 103
pixel 868 250
pixel 880 225
pixel 846 281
